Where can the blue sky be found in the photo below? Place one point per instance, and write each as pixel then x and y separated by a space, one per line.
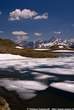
pixel 36 19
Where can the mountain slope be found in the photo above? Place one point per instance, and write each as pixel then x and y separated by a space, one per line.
pixel 6 43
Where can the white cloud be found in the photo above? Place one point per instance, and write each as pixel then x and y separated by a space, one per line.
pixel 19 33
pixel 22 14
pixel 37 34
pixel 43 16
pixel 19 14
pixel 58 32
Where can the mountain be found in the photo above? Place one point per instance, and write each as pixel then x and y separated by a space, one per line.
pixel 55 43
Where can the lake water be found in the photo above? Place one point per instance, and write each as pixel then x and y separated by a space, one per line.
pixel 28 77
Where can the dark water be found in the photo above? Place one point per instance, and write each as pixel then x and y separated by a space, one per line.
pixel 31 82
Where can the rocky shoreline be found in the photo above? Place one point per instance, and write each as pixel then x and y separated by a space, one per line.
pixel 47 99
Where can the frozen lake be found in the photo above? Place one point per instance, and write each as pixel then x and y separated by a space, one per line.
pixel 27 76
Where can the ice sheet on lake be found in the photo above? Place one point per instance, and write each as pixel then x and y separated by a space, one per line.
pixel 60 65
pixel 25 89
pixel 41 68
pixel 66 86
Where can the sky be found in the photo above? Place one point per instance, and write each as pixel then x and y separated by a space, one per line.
pixel 36 19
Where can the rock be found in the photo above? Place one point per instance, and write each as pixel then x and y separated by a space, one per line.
pixel 3 104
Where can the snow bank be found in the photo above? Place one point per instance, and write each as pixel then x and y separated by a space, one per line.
pixel 63 51
pixel 9 57
pixel 41 49
pixel 18 47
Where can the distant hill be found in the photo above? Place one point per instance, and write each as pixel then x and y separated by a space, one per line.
pixel 6 43
pixel 10 47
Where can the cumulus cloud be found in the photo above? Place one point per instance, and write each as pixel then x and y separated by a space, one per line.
pixel 19 14
pixel 19 33
pixel 43 16
pixel 22 14
pixel 37 34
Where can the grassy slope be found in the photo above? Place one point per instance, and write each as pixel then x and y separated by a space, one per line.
pixel 28 52
pixel 7 46
pixel 6 43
